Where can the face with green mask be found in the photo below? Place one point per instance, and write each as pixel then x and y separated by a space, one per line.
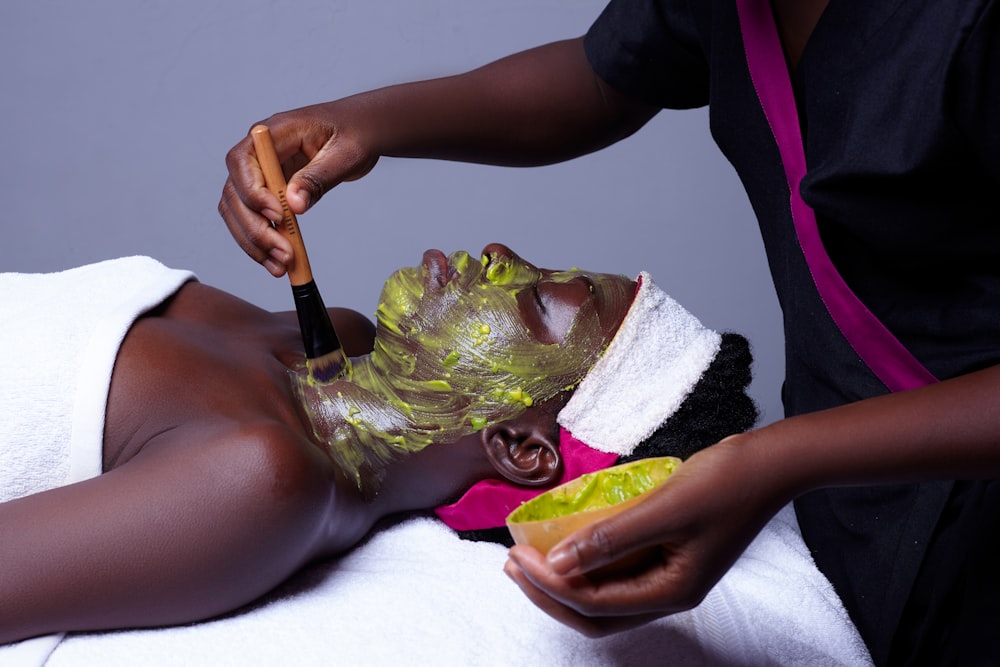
pixel 462 343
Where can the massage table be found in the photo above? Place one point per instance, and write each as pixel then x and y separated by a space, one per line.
pixel 413 593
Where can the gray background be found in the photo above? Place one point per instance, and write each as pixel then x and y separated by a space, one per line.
pixel 117 117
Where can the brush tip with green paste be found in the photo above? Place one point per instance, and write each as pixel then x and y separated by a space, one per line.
pixel 325 356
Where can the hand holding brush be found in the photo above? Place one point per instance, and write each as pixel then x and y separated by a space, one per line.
pixel 324 354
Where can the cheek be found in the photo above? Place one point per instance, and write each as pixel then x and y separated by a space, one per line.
pixel 477 361
pixel 400 299
pixel 561 316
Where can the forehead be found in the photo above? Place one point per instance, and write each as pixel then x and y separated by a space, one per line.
pixel 416 310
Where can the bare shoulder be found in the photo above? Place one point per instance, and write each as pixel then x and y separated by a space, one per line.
pixel 264 463
pixel 271 471
pixel 356 331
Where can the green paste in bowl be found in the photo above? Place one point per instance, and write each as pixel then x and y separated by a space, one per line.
pixel 597 490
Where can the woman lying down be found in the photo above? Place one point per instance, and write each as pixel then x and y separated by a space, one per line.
pixel 164 457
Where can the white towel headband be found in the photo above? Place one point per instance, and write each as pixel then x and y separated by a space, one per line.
pixel 649 368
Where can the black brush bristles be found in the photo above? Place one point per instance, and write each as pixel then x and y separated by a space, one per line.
pixel 325 356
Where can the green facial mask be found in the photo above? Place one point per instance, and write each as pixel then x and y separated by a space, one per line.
pixel 450 360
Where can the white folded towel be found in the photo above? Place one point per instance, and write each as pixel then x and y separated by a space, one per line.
pixel 60 336
pixel 651 365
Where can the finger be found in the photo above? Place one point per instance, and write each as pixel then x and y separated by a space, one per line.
pixel 652 590
pixel 308 185
pixel 254 233
pixel 303 154
pixel 275 266
pixel 247 181
pixel 591 626
pixel 549 605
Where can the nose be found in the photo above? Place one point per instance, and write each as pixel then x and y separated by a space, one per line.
pixel 498 249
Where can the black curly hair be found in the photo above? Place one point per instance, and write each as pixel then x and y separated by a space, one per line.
pixel 717 406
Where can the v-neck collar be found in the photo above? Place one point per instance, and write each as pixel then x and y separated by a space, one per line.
pixel 843 30
pixel 784 14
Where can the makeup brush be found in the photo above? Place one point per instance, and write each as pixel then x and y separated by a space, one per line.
pixel 325 357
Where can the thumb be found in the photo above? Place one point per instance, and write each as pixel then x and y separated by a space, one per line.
pixel 305 189
pixel 328 168
pixel 605 542
pixel 584 551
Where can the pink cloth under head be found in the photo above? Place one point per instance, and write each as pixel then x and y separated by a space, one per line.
pixel 487 503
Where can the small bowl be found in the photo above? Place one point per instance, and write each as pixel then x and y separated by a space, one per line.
pixel 545 520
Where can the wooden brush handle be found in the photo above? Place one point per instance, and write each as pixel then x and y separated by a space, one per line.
pixel 299 271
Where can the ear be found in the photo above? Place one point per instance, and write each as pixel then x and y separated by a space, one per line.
pixel 525 449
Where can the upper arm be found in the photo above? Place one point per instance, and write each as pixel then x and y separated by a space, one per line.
pixel 192 526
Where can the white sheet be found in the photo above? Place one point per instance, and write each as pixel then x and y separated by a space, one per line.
pixel 416 594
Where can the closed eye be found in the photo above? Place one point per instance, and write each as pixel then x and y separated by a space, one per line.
pixel 538 298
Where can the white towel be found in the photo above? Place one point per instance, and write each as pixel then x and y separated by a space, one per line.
pixel 651 365
pixel 60 335
pixel 415 594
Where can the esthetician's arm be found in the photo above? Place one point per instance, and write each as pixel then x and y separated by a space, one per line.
pixel 713 506
pixel 540 106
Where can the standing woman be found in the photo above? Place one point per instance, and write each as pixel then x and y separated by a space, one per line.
pixel 865 136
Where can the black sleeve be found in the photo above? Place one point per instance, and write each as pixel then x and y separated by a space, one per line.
pixel 650 50
pixel 977 90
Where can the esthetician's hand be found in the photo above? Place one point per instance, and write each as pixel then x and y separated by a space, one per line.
pixel 319 147
pixel 709 510
pixel 700 521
